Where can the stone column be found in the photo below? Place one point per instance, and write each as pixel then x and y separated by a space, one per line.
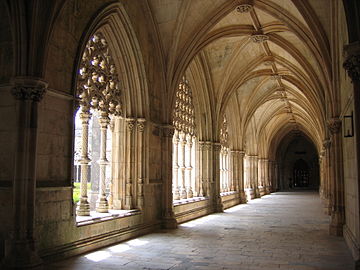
pixel 241 177
pixel 111 196
pixel 182 166
pixel 83 207
pixel 209 172
pixel 254 177
pixel 176 185
pixel 266 177
pixel 218 206
pixel 337 188
pixel 20 249
pixel 194 166
pixel 129 157
pixel 188 166
pixel 226 169
pixel 327 177
pixel 234 175
pixel 352 66
pixel 141 162
pixel 169 221
pixel 102 203
pixel 202 168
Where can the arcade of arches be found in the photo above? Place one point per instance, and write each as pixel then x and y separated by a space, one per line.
pixel 123 117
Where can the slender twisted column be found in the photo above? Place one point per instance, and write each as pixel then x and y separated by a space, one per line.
pixel 83 207
pixel 182 165
pixel 176 189
pixel 141 159
pixel 129 161
pixel 188 169
pixel 102 205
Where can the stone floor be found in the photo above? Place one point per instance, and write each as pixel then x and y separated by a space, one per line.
pixel 280 231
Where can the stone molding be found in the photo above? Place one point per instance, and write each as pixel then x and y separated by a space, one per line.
pixel 28 88
pixel 259 37
pixel 244 8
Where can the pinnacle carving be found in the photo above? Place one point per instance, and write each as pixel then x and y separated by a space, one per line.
pixel 98 85
pixel 334 125
pixel 28 89
pixel 352 66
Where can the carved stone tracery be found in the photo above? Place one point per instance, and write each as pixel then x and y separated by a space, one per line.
pixel 98 84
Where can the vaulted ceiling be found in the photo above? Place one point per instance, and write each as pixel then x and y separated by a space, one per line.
pixel 266 63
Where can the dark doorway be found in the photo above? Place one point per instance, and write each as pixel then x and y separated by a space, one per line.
pixel 301 174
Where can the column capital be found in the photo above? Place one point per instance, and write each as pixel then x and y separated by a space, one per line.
pixel 334 125
pixel 28 88
pixel 217 146
pixel 130 123
pixel 141 124
pixel 352 62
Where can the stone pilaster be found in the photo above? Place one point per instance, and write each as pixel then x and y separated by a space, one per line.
pixel 140 162
pixel 20 249
pixel 129 159
pixel 337 188
pixel 169 221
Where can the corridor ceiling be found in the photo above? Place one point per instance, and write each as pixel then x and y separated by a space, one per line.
pixel 265 64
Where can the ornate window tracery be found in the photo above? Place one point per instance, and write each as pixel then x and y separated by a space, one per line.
pixel 225 184
pixel 184 144
pixel 99 96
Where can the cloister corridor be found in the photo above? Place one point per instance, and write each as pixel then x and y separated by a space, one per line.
pixel 283 230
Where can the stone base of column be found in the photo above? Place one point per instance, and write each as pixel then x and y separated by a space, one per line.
pixel 327 207
pixel 128 203
pixel 169 221
pixel 102 205
pixel 262 191
pixel 183 194
pixel 177 194
pixel 140 202
pixel 83 208
pixel 250 194
pixel 21 254
pixel 219 207
pixel 257 192
pixel 242 197
pixel 336 224
pixel 268 189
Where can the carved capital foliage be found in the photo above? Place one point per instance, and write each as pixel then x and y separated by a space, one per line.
pixel 352 62
pixel 98 84
pixel 130 124
pixel 27 88
pixel 217 147
pixel 141 124
pixel 334 125
pixel 326 145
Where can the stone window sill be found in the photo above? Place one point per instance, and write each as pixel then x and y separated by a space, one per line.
pixel 96 217
pixel 190 200
pixel 228 193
